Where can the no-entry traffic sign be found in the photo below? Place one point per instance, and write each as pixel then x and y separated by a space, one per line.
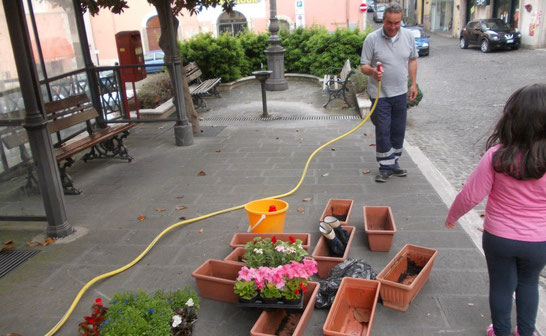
pixel 363 7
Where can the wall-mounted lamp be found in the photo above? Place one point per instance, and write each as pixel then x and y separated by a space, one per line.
pixel 529 7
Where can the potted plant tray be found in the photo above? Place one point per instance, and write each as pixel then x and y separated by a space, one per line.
pixel 321 254
pixel 287 321
pixel 379 227
pixel 215 279
pixel 353 309
pixel 258 303
pixel 404 276
pixel 339 208
pixel 240 239
pixel 236 255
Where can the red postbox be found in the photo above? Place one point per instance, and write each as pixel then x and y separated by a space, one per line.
pixel 129 46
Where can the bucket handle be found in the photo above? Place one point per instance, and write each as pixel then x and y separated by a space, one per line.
pixel 250 229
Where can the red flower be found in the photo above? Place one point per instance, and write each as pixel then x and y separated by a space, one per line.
pixel 297 291
pixel 273 240
pixel 303 287
pixel 89 320
pixel 292 240
pixel 98 301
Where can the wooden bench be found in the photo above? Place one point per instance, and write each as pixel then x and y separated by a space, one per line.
pixel 200 88
pixel 335 82
pixel 63 116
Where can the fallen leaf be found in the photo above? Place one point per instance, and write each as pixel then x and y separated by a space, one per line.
pixel 202 173
pixel 470 304
pixel 181 207
pixel 6 242
pixel 200 118
pixel 179 197
pixel 50 240
pixel 182 218
pixel 301 209
pixel 482 214
pixel 201 230
pixel 480 229
pixel 373 145
pixel 218 150
pixel 368 134
pixel 366 171
pixel 7 247
pixel 160 209
pixel 307 199
pixel 325 174
pixel 333 149
pixel 277 138
pixel 297 129
pixel 32 244
pixel 362 316
pixel 141 217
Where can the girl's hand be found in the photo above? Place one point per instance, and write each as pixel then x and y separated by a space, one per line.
pixel 450 225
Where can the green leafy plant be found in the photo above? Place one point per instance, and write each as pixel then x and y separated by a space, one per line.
pixel 271 252
pixel 270 291
pixel 91 325
pixel 253 46
pixel 245 289
pixel 294 288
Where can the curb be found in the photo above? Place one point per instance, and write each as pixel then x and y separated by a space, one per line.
pixel 224 87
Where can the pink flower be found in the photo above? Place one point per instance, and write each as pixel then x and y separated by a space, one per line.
pixel 310 266
pixel 246 274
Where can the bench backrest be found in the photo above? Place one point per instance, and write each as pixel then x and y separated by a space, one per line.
pixel 346 71
pixel 192 72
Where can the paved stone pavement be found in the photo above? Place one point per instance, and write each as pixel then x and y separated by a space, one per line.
pixel 244 159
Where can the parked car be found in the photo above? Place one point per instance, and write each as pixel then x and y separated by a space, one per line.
pixel 370 5
pixel 421 40
pixel 154 60
pixel 378 12
pixel 489 34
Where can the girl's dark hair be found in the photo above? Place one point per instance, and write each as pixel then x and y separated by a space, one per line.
pixel 521 132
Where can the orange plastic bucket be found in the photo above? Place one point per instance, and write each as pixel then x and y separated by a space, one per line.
pixel 262 220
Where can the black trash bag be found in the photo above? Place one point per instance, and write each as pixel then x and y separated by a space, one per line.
pixel 354 268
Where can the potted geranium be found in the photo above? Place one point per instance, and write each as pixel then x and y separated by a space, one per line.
pixel 246 290
pixel 270 293
pixel 293 290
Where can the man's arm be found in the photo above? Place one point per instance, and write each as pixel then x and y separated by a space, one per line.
pixel 412 69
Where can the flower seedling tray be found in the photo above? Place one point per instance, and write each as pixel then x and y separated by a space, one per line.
pixel 339 208
pixel 380 227
pixel 269 322
pixel 321 254
pixel 279 305
pixel 353 309
pixel 240 239
pixel 399 294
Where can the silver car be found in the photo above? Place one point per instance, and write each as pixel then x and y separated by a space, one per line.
pixel 378 13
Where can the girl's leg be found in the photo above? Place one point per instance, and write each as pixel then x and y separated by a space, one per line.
pixel 501 265
pixel 530 262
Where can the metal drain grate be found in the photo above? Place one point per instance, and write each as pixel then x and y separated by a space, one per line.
pixel 282 118
pixel 12 258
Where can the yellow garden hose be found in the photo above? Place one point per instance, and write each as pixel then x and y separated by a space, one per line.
pixel 188 221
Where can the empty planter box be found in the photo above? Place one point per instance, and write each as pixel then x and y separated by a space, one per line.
pixel 240 239
pixel 321 254
pixel 404 276
pixel 353 310
pixel 215 279
pixel 287 322
pixel 339 208
pixel 379 226
pixel 236 255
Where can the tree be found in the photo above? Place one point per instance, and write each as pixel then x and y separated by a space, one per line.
pixel 192 6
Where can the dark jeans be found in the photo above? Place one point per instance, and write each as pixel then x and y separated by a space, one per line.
pixel 514 266
pixel 389 119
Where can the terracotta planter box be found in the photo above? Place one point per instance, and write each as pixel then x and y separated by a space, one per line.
pixel 338 208
pixel 380 227
pixel 240 239
pixel 353 294
pixel 321 254
pixel 269 321
pixel 405 275
pixel 215 279
pixel 236 255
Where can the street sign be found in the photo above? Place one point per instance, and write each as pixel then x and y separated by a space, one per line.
pixel 363 7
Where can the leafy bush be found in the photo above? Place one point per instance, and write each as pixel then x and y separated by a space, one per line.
pixel 155 91
pixel 216 57
pixel 359 81
pixel 254 46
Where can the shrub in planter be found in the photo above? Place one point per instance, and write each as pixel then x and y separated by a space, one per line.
pixel 271 252
pixel 155 91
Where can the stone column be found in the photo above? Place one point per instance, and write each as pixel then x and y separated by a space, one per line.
pixel 275 53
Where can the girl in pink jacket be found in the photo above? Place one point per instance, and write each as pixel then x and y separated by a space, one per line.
pixel 512 175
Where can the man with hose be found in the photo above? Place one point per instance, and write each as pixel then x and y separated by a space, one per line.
pixel 389 55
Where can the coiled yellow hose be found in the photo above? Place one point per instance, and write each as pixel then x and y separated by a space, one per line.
pixel 188 221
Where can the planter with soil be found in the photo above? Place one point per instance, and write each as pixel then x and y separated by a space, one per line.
pixel 323 255
pixel 240 239
pixel 404 276
pixel 380 227
pixel 353 310
pixel 287 321
pixel 236 255
pixel 215 279
pixel 339 208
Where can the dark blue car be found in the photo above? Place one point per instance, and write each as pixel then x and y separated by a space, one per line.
pixel 421 40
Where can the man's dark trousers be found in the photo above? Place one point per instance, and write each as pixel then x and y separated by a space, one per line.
pixel 389 119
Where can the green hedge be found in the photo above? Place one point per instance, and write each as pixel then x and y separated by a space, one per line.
pixel 307 50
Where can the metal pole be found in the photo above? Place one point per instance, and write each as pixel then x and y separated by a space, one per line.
pixel 275 53
pixel 264 100
pixel 49 179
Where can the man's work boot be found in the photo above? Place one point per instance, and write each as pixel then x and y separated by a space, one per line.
pixel 399 172
pixel 383 176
